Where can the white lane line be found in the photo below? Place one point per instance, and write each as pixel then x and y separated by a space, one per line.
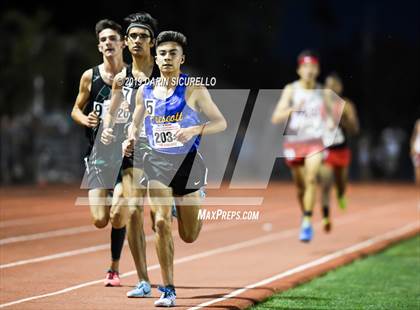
pixel 232 247
pixel 99 247
pixel 215 226
pixel 317 262
pixel 225 249
pixel 58 233
pixel 49 234
pixel 91 249
pixel 40 219
pixel 86 228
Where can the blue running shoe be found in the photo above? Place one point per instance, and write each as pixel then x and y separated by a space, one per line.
pixel 141 290
pixel 306 231
pixel 203 193
pixel 167 299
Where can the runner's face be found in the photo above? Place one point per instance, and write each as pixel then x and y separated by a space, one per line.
pixel 139 41
pixel 308 72
pixel 169 57
pixel 110 43
pixel 334 84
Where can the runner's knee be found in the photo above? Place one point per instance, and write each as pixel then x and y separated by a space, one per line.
pixel 119 215
pixel 135 211
pixel 163 224
pixel 100 222
pixel 117 220
pixel 135 218
pixel 310 179
pixel 189 237
pixel 300 190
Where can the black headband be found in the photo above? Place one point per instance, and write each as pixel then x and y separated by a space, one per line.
pixel 140 25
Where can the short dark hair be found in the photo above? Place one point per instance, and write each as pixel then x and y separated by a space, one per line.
pixel 107 23
pixel 308 53
pixel 172 36
pixel 334 75
pixel 143 18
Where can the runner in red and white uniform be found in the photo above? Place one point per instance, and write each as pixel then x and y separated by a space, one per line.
pixel 303 108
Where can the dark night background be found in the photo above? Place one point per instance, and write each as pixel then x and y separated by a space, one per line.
pixel 373 45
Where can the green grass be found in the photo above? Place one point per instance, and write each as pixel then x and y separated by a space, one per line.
pixel 388 280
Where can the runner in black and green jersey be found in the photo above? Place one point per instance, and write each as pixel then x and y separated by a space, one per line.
pixel 103 162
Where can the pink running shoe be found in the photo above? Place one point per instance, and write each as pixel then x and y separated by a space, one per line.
pixel 112 278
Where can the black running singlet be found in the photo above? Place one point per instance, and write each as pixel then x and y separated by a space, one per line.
pixel 99 100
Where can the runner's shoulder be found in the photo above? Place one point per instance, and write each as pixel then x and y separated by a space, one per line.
pixel 288 90
pixel 87 76
pixel 349 105
pixel 197 89
pixel 289 87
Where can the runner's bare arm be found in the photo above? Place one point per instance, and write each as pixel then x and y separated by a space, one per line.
pixel 350 120
pixel 91 120
pixel 205 103
pixel 116 99
pixel 138 115
pixel 282 111
pixel 136 124
pixel 201 100
pixel 107 135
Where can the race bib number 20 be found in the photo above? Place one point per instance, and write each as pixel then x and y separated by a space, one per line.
pixel 101 109
pixel 164 135
pixel 123 113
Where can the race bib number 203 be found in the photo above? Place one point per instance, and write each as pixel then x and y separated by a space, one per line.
pixel 164 135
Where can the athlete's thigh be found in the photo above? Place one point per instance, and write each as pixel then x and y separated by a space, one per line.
pixel 341 173
pixel 98 203
pixel 119 205
pixel 298 175
pixel 117 194
pixel 161 199
pixel 134 191
pixel 325 174
pixel 127 181
pixel 188 207
pixel 138 189
pixel 313 164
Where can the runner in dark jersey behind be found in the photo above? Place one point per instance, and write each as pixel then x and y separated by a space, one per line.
pixel 103 162
pixel 140 39
pixel 337 157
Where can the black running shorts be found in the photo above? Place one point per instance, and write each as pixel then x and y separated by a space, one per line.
pixel 184 173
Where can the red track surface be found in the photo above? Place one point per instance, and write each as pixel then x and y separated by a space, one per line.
pixel 228 255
